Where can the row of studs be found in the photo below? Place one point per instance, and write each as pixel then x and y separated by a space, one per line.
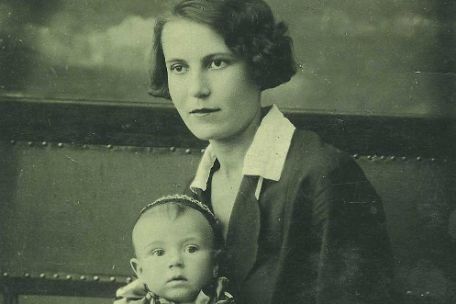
pixel 96 278
pixel 376 157
pixel 373 157
pixel 69 277
pixel 109 147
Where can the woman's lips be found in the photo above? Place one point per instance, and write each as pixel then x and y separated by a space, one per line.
pixel 204 111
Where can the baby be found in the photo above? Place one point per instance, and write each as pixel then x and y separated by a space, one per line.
pixel 177 245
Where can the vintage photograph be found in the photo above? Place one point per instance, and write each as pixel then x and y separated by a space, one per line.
pixel 227 151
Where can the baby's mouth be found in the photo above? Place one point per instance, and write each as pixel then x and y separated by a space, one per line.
pixel 178 278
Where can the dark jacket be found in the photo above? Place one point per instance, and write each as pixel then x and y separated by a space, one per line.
pixel 318 235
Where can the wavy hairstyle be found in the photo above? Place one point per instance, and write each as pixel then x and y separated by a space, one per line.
pixel 250 32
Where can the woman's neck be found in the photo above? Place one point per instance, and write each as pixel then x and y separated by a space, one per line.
pixel 231 151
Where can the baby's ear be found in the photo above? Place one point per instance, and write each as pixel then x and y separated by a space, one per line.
pixel 136 266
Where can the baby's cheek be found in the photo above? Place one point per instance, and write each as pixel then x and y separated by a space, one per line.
pixel 153 283
pixel 203 262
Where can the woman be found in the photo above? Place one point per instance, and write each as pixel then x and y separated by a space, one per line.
pixel 302 224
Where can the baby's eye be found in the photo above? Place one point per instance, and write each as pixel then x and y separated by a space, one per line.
pixel 191 248
pixel 178 68
pixel 218 64
pixel 158 252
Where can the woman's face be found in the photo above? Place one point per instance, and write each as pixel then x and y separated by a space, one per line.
pixel 208 84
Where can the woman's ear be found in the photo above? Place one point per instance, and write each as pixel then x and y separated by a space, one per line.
pixel 136 266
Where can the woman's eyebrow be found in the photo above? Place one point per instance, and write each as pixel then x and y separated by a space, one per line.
pixel 206 58
pixel 214 55
pixel 174 60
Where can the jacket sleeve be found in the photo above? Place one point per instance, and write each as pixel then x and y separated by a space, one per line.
pixel 343 244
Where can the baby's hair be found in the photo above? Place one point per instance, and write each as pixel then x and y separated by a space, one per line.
pixel 177 204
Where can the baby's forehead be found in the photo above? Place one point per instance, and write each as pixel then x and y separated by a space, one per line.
pixel 157 227
pixel 169 215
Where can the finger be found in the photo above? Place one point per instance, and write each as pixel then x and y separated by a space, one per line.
pixel 120 301
pixel 133 290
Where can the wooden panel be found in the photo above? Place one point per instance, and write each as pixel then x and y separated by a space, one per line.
pixel 71 209
pixel 89 122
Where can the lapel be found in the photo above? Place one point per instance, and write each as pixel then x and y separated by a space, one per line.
pixel 243 231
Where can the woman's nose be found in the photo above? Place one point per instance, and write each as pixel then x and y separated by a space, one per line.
pixel 199 86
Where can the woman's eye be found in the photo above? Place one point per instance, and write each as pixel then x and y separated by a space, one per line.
pixel 158 252
pixel 217 64
pixel 191 249
pixel 178 68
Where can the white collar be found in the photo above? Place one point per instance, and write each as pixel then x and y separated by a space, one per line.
pixel 265 157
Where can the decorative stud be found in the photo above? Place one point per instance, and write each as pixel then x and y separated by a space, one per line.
pixel 42 275
pixel 112 279
pixel 172 149
pixel 382 157
pixel 369 157
pixel 432 159
pixel 188 151
pixel 427 293
pixel 56 275
pixel 404 157
pixel 82 278
pixel 129 280
pixel 27 275
pixel 5 274
pixel 30 143
pixel 96 278
pixel 409 292
pixel 12 141
pixel 392 157
pixel 84 146
pixel 355 156
pixel 203 150
pixel 418 158
pixel 68 277
pixel 60 145
pixel 109 146
pixel 44 143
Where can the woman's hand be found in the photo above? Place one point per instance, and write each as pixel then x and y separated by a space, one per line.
pixel 132 293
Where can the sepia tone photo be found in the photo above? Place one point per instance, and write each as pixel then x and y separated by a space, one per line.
pixel 227 151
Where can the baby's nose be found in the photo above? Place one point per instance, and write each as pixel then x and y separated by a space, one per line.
pixel 175 259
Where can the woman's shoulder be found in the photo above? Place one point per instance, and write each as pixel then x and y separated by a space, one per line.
pixel 308 151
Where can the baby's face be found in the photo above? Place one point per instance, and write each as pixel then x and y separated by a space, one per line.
pixel 175 257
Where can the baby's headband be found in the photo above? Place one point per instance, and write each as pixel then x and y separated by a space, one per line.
pixel 190 202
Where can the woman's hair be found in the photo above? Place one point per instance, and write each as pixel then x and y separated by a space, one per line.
pixel 250 32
